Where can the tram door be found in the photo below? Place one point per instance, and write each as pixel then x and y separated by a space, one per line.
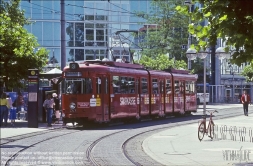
pixel 102 99
pixel 161 98
pixel 179 98
pixel 155 97
pixel 144 97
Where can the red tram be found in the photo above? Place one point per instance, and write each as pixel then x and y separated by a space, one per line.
pixel 103 91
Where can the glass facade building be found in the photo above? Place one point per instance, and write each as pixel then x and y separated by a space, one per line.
pixel 90 27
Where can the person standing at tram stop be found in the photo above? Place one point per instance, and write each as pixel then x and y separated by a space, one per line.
pixel 57 106
pixel 19 103
pixel 245 101
pixel 12 111
pixel 4 107
pixel 49 107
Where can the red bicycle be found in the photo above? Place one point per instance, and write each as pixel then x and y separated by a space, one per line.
pixel 209 130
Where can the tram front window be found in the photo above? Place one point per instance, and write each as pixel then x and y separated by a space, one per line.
pixel 78 86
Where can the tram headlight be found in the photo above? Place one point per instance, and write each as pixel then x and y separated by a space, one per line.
pixel 72 106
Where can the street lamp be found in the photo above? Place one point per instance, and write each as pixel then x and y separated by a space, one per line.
pixel 191 55
pixel 221 54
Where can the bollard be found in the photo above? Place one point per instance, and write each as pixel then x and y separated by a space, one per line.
pixel 225 132
pixel 250 135
pixel 216 130
pixel 235 132
pixel 221 131
pixel 231 133
pixel 244 132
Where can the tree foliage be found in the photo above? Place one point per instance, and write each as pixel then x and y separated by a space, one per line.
pixel 161 62
pixel 229 20
pixel 165 30
pixel 17 45
pixel 248 72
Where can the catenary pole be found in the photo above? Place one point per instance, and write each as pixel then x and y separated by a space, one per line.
pixel 63 40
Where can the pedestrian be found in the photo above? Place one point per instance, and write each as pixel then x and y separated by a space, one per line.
pixel 19 103
pixel 4 106
pixel 49 107
pixel 56 107
pixel 9 100
pixel 245 101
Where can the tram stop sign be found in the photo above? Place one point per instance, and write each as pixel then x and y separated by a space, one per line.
pixel 33 88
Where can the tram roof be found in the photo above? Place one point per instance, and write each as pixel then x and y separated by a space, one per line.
pixel 129 66
pixel 111 63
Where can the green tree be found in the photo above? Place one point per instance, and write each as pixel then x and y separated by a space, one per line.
pixel 165 30
pixel 229 20
pixel 18 53
pixel 248 72
pixel 161 62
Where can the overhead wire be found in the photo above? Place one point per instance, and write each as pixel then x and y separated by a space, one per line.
pixel 122 8
pixel 68 14
pixel 98 9
pixel 50 10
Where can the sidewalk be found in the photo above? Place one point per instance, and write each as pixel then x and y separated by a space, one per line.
pixel 180 145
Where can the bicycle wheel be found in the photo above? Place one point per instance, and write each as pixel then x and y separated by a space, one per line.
pixel 201 131
pixel 211 130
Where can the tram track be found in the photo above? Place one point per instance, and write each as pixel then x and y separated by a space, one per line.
pixel 7 140
pixel 89 154
pixel 13 156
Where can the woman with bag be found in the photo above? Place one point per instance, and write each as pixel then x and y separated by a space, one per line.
pixel 4 106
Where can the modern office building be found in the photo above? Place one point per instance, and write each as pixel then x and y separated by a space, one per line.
pixel 91 27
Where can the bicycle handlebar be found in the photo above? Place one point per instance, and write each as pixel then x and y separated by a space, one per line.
pixel 213 111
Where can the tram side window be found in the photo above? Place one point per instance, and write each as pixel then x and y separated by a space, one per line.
pixel 123 85
pixel 116 84
pixel 144 86
pixel 106 86
pixel 155 86
pixel 87 86
pixel 161 87
pixel 189 87
pixel 193 87
pixel 131 85
pixel 98 85
pixel 168 86
pixel 74 87
pixel 176 84
pixel 182 86
pixel 137 86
